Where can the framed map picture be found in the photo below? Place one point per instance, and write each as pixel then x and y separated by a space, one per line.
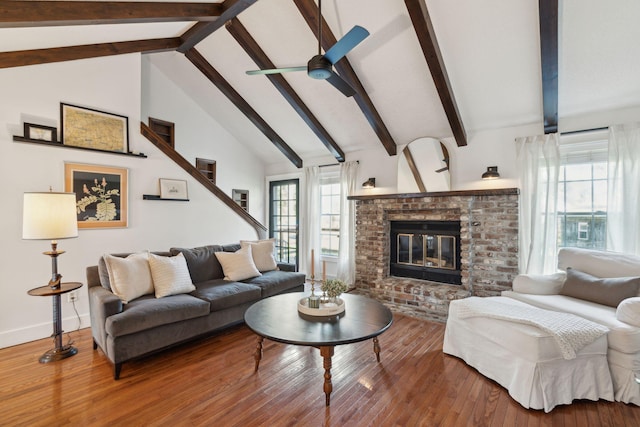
pixel 89 128
pixel 101 194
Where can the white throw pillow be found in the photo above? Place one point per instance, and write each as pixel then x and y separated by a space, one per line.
pixel 170 275
pixel 238 265
pixel 262 252
pixel 129 277
pixel 628 311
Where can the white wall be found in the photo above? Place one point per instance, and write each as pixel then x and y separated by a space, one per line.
pixel 110 84
pixel 197 134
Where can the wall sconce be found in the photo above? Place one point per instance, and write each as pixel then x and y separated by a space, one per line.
pixel 491 173
pixel 370 183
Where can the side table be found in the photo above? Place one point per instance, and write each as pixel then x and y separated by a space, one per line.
pixel 59 352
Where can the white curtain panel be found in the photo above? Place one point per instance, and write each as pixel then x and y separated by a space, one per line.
pixel 347 252
pixel 311 227
pixel 623 192
pixel 538 159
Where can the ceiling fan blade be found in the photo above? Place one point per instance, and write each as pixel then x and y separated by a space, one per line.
pixel 277 70
pixel 340 84
pixel 346 43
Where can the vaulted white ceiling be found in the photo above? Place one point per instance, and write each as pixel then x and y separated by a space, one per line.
pixel 491 50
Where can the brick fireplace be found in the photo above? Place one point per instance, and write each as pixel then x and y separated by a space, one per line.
pixel 488 247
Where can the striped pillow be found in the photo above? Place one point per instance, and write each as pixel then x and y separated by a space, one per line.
pixel 170 275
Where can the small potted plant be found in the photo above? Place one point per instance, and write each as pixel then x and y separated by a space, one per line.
pixel 333 288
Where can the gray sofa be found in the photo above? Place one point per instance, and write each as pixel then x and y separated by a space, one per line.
pixel 148 324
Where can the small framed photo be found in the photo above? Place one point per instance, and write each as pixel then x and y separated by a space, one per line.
pixel 40 132
pixel 175 189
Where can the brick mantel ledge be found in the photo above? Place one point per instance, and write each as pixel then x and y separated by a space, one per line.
pixel 489 192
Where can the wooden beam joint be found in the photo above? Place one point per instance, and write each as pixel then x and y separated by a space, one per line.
pixel 431 50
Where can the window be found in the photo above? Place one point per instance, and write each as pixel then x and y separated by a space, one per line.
pixel 330 214
pixel 582 195
pixel 283 219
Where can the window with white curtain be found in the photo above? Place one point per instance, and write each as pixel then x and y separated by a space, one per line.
pixel 582 194
pixel 330 213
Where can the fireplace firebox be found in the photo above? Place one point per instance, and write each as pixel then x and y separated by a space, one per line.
pixel 427 250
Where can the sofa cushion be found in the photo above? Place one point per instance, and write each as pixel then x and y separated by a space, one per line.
pixel 238 265
pixel 275 282
pixel 170 275
pixel 609 291
pixel 130 277
pixel 232 247
pixel 148 312
pixel 622 336
pixel 202 262
pixel 629 311
pixel 599 263
pixel 262 252
pixel 549 284
pixel 221 294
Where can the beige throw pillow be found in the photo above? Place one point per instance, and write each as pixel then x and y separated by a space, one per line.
pixel 238 265
pixel 262 252
pixel 170 275
pixel 129 277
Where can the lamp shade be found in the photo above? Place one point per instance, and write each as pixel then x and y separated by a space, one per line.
pixel 49 216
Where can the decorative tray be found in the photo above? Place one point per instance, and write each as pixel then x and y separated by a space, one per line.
pixel 326 309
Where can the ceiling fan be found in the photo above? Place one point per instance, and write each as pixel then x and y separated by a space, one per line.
pixel 321 66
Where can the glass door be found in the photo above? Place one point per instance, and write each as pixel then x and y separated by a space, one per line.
pixel 283 219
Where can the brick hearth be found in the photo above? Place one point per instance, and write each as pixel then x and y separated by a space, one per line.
pixel 488 239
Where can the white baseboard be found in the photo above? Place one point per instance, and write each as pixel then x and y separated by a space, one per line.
pixel 42 330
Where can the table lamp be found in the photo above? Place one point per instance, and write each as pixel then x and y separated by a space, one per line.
pixel 50 216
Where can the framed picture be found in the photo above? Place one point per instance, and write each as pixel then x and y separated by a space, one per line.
pixel 89 128
pixel 173 189
pixel 101 194
pixel 40 132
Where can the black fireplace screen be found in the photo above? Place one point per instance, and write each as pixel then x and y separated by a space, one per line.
pixel 428 250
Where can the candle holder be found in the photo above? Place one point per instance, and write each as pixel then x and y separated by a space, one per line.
pixel 313 301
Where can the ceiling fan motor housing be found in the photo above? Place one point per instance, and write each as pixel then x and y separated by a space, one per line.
pixel 319 68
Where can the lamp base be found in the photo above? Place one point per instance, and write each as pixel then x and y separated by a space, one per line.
pixel 58 354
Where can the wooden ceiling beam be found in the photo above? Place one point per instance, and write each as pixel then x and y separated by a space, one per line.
pixel 52 13
pixel 431 50
pixel 59 54
pixel 216 78
pixel 548 11
pixel 202 30
pixel 309 11
pixel 248 43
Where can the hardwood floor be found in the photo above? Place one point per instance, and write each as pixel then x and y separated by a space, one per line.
pixel 211 382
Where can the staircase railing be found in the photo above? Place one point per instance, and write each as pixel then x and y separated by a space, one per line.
pixel 148 133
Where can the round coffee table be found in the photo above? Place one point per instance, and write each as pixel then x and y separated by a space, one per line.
pixel 277 318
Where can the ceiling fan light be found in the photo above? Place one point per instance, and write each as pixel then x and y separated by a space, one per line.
pixel 319 68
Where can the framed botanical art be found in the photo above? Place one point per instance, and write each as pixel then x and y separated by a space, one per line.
pixel 101 194
pixel 89 128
